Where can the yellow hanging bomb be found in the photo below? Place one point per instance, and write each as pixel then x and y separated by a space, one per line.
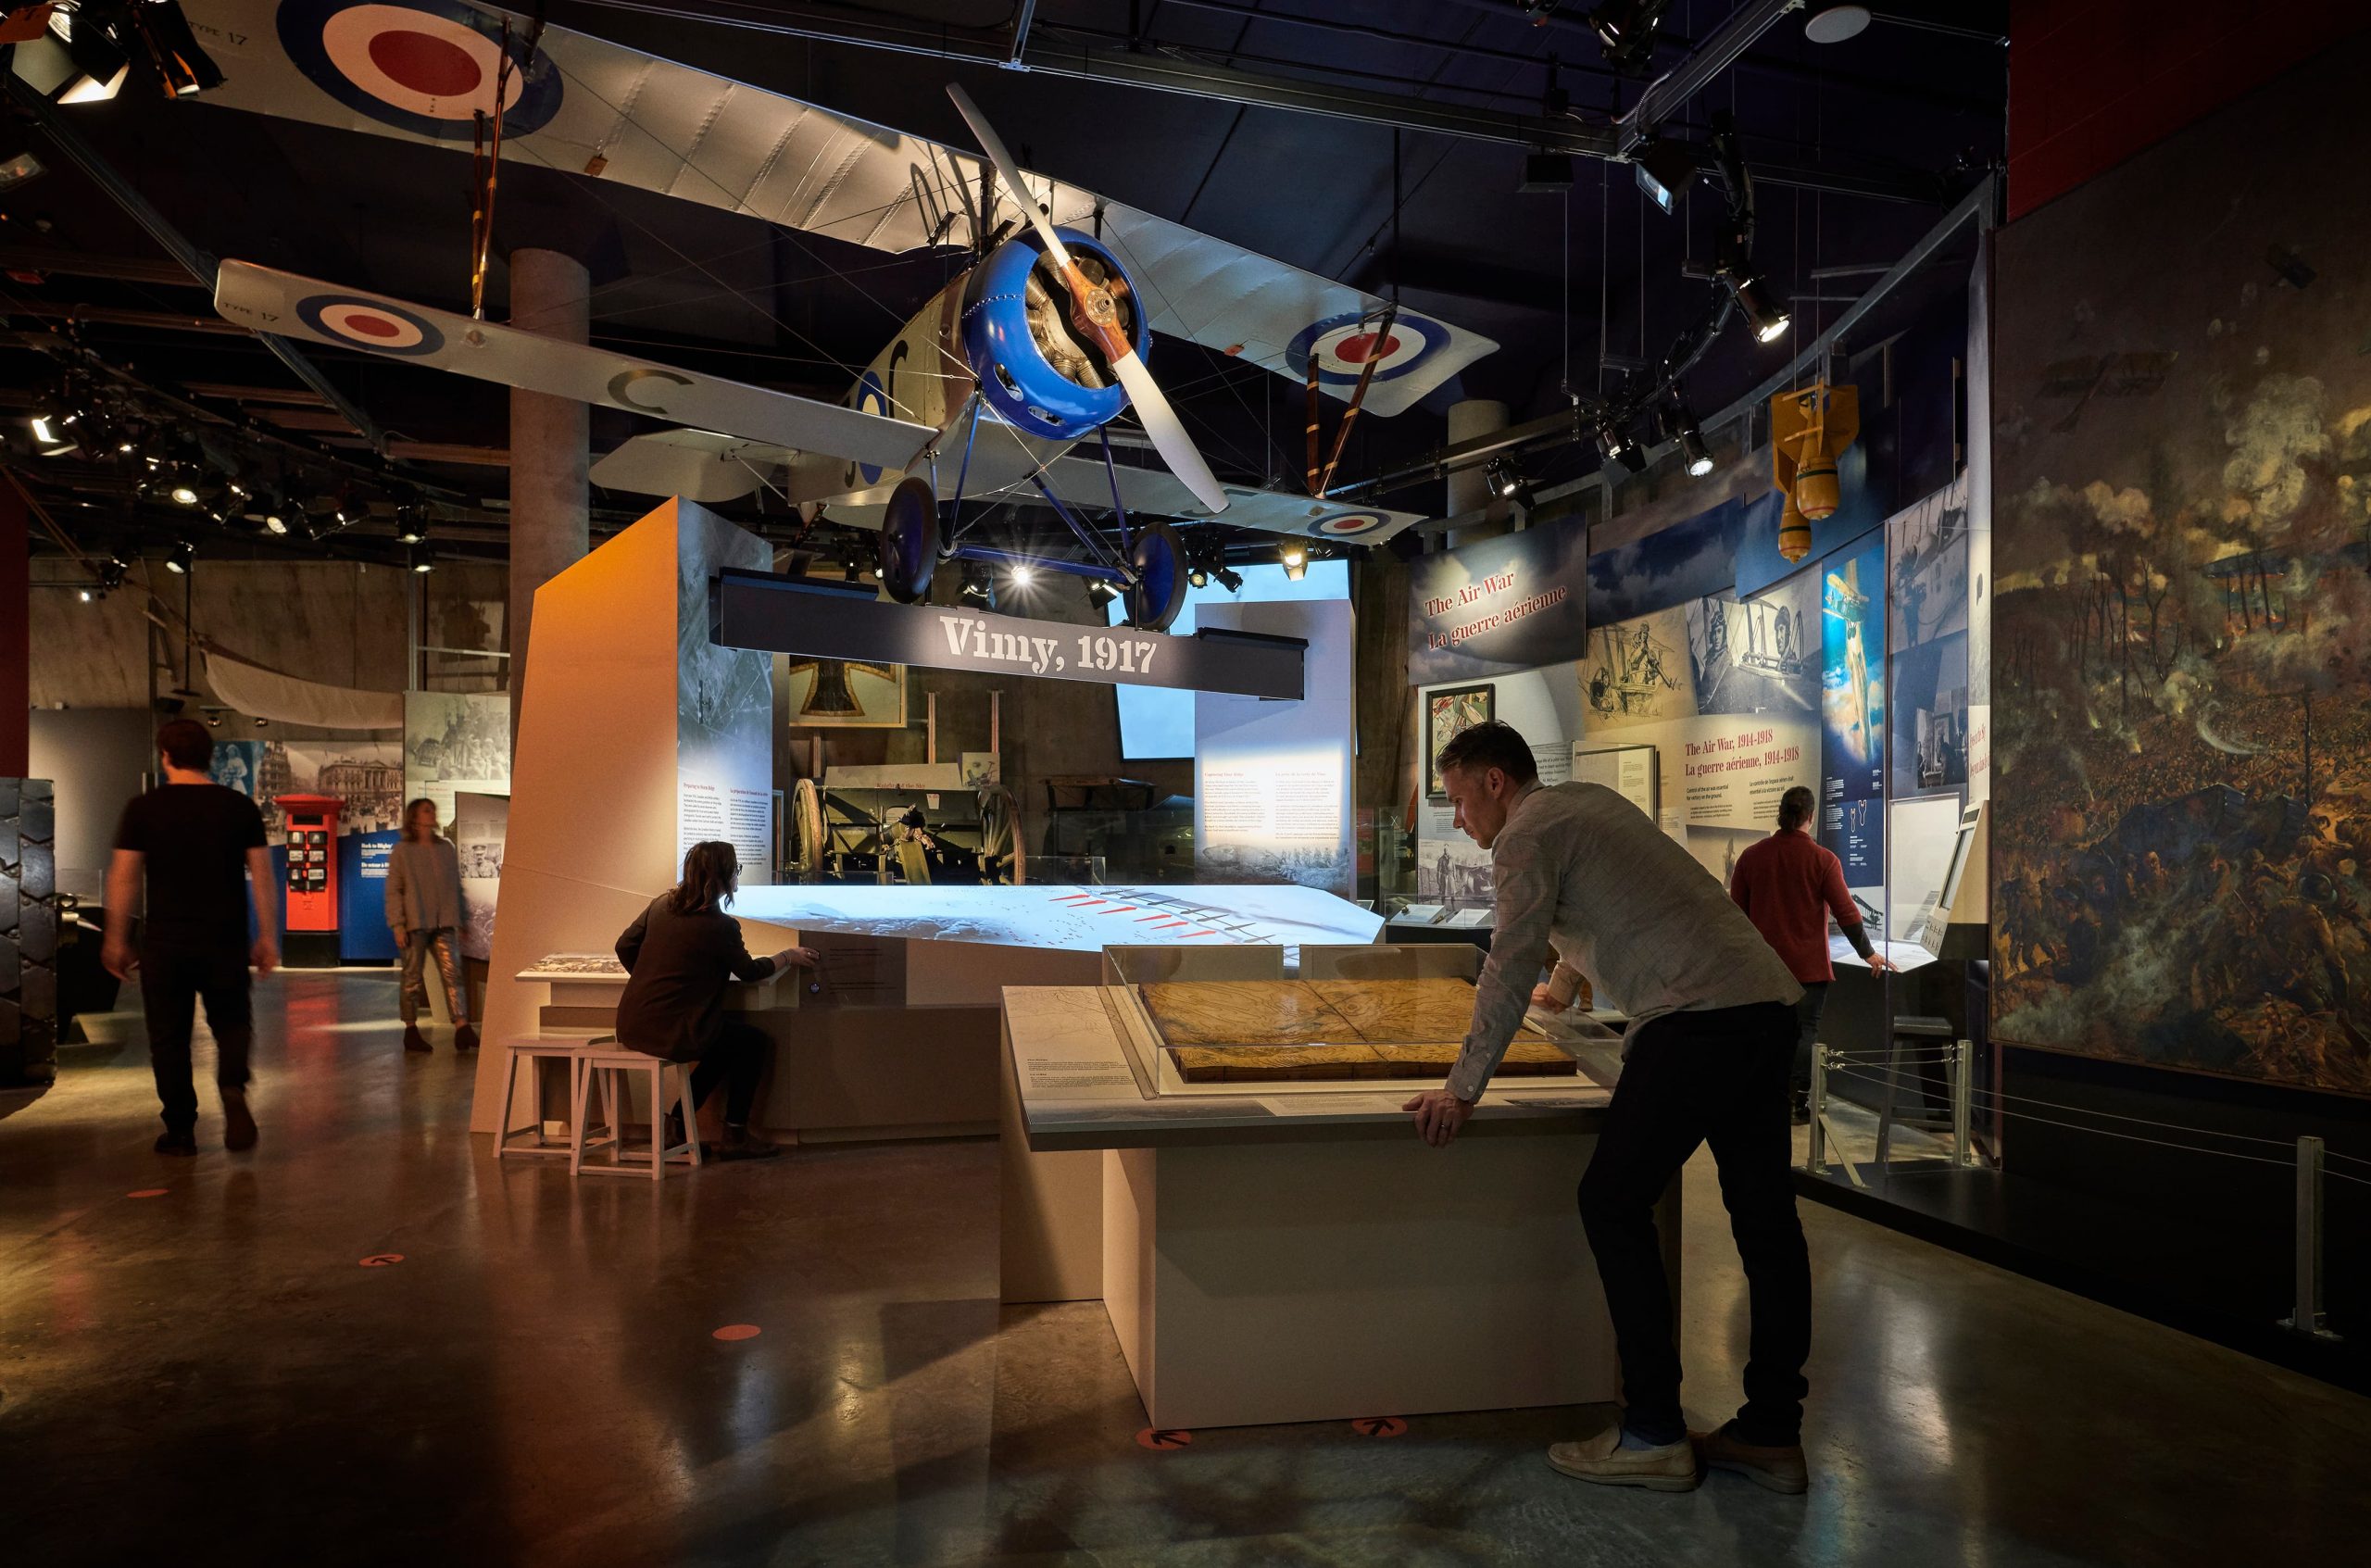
pixel 1809 430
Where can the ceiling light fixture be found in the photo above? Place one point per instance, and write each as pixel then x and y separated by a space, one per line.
pixel 1837 23
pixel 1293 555
pixel 184 555
pixel 1023 576
pixel 1500 474
pixel 1101 591
pixel 421 558
pixel 1625 30
pixel 1230 579
pixel 1677 423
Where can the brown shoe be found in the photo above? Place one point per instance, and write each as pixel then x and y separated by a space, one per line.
pixel 465 1037
pixel 1602 1458
pixel 238 1122
pixel 414 1040
pixel 739 1143
pixel 1781 1470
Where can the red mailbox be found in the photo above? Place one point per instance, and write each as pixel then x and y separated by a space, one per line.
pixel 311 918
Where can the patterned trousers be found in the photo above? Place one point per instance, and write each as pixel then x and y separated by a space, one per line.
pixel 446 943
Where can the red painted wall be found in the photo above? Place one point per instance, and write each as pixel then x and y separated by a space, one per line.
pixel 16 651
pixel 2093 81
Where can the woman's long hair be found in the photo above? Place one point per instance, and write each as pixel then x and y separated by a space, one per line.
pixel 708 871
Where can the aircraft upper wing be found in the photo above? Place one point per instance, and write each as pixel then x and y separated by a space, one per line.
pixel 289 305
pixel 421 71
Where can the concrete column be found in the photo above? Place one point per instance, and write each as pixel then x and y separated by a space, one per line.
pixel 1468 491
pixel 15 645
pixel 549 441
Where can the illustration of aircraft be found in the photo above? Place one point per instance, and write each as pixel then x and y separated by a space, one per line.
pixel 1844 602
pixel 1038 345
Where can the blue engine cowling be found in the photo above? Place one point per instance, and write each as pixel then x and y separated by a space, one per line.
pixel 1013 373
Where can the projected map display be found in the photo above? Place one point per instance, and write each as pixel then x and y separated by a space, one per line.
pixel 1077 919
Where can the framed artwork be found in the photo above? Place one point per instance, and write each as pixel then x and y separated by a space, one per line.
pixel 828 694
pixel 1449 710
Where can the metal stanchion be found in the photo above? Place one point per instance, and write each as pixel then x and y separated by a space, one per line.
pixel 1816 1161
pixel 2307 1318
pixel 1962 1070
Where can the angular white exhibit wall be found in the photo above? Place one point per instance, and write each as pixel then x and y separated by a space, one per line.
pixel 598 769
pixel 1273 780
pixel 724 705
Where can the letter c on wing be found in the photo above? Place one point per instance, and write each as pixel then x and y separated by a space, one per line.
pixel 622 384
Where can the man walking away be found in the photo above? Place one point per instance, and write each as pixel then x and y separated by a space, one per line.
pixel 195 841
pixel 1705 1063
pixel 424 911
pixel 1788 886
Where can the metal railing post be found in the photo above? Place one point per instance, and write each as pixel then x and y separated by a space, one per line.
pixel 1816 1161
pixel 2308 1317
pixel 1963 1073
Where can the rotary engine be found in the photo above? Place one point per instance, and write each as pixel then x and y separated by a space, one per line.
pixel 1036 367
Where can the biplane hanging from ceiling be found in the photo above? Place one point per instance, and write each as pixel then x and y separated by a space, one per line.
pixel 1035 348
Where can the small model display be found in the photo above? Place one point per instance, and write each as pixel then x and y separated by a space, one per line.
pixel 1294 1031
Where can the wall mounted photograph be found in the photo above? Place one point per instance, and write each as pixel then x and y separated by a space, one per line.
pixel 2182 831
pixel 1449 712
pixel 830 694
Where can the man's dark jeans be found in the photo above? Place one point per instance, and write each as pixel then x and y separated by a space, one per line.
pixel 1716 1077
pixel 1807 1014
pixel 173 975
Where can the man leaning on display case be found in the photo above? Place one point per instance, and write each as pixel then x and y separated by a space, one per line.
pixel 1712 1033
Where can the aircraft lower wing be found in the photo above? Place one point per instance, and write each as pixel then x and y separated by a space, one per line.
pixel 421 70
pixel 288 306
pixel 703 466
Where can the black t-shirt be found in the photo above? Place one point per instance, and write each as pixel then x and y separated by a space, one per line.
pixel 194 839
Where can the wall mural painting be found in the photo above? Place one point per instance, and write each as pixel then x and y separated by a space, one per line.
pixel 2182 831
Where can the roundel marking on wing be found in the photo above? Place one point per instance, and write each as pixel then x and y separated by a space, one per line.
pixel 370 323
pixel 428 67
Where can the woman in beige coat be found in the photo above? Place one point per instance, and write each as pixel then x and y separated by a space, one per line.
pixel 425 912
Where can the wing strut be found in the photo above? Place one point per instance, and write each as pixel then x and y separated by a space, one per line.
pixel 1319 485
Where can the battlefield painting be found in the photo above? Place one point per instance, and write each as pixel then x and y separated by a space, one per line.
pixel 2182 502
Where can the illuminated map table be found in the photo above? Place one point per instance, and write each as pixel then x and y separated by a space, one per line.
pixel 1071 918
pixel 1275 1252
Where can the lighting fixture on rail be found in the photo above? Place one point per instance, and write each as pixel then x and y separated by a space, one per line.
pixel 184 555
pixel 419 557
pixel 1293 556
pixel 1023 576
pixel 1500 475
pixel 1625 30
pixel 1229 578
pixel 411 525
pixel 1101 593
pixel 1663 169
pixel 1677 423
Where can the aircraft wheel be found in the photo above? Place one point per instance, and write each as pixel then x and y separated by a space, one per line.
pixel 909 540
pixel 1159 592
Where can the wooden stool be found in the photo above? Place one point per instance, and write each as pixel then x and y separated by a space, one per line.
pixel 611 1066
pixel 568 1048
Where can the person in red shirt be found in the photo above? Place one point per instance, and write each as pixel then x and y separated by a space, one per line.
pixel 1789 885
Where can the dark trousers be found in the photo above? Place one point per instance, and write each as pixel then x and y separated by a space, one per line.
pixel 173 975
pixel 737 1059
pixel 1807 1014
pixel 1716 1077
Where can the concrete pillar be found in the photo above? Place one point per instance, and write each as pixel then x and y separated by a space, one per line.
pixel 15 644
pixel 549 441
pixel 1468 491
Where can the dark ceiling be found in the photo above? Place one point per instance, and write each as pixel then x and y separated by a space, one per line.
pixel 1857 148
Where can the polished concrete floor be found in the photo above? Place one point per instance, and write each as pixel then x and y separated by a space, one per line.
pixel 213 1376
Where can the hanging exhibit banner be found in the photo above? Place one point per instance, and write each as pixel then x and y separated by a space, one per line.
pixel 760 609
pixel 481 822
pixel 1545 706
pixel 1852 747
pixel 1664 569
pixel 1928 642
pixel 1506 604
pixel 455 741
pixel 1271 780
pixel 724 705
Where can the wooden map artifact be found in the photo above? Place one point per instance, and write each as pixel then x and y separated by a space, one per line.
pixel 1273 1031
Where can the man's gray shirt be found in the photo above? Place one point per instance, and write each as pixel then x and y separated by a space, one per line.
pixel 1579 866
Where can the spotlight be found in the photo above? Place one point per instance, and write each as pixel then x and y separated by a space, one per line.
pixel 1625 30
pixel 87 594
pixel 979 588
pixel 18 170
pixel 1100 591
pixel 83 60
pixel 1618 448
pixel 1230 579
pixel 1678 424
pixel 1502 479
pixel 262 723
pixel 112 572
pixel 411 525
pixel 184 555
pixel 1294 556
pixel 1769 322
pixel 1023 576
pixel 1197 575
pixel 184 67
pixel 274 523
pixel 421 558
pixel 1663 169
pixel 214 720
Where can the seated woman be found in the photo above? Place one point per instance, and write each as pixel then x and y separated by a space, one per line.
pixel 680 954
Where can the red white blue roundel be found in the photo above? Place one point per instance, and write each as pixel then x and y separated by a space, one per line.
pixel 1349 525
pixel 871 399
pixel 370 324
pixel 423 66
pixel 1345 344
